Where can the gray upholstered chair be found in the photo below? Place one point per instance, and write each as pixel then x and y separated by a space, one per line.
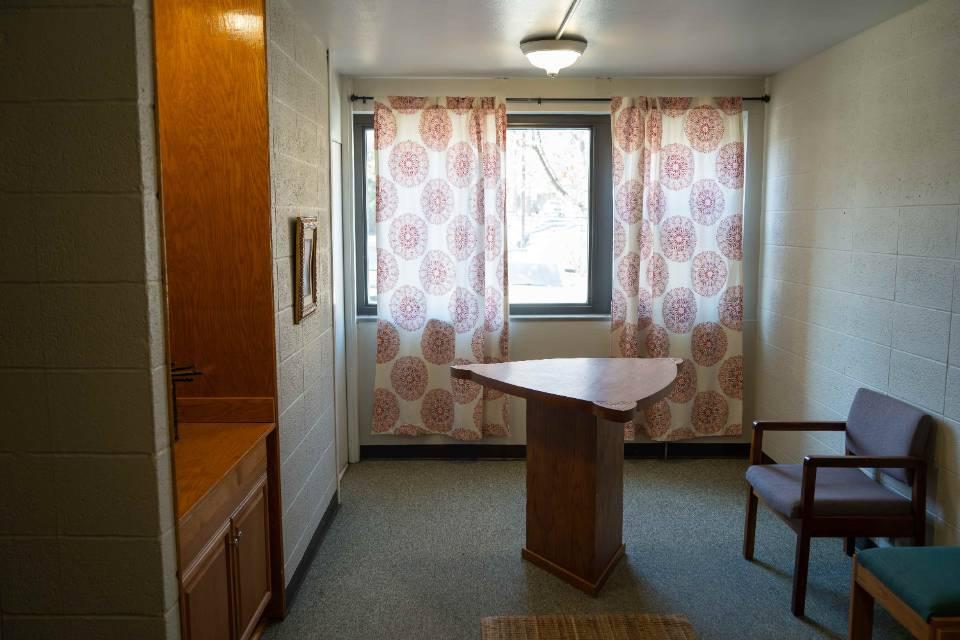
pixel 829 497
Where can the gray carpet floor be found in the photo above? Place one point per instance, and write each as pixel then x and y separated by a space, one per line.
pixel 424 549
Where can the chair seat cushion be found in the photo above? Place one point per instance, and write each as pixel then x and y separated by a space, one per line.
pixel 840 492
pixel 925 578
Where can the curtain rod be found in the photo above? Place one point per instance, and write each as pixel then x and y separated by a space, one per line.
pixel 354 98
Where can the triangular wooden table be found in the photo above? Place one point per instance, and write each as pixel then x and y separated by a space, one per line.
pixel 575 411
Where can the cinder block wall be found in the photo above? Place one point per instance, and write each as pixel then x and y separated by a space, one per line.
pixel 86 514
pixel 300 179
pixel 859 281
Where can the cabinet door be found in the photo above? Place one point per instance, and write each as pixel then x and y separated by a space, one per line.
pixel 251 540
pixel 207 610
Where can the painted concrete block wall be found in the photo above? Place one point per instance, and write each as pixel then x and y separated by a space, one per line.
pixel 86 523
pixel 859 278
pixel 300 179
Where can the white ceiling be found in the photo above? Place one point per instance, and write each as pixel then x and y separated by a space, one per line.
pixel 626 37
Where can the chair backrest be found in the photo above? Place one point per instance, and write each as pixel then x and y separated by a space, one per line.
pixel 879 425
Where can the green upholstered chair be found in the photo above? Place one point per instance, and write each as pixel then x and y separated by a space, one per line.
pixel 829 497
pixel 919 586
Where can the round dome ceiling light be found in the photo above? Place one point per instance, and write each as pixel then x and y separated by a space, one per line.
pixel 553 54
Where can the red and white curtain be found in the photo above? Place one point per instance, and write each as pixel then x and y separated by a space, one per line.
pixel 441 263
pixel 678 255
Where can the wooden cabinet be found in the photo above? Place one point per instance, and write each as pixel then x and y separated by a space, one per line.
pixel 207 592
pixel 251 566
pixel 213 146
pixel 227 587
pixel 224 529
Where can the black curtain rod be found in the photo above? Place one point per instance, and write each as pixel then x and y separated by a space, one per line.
pixel 763 98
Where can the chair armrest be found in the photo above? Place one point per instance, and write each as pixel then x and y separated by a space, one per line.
pixel 806 425
pixel 918 467
pixel 759 426
pixel 872 462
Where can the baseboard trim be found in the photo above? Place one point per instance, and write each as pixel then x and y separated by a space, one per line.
pixel 631 451
pixel 740 450
pixel 293 589
pixel 644 451
pixel 443 451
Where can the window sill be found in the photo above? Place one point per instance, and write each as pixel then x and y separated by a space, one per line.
pixel 535 317
pixel 566 317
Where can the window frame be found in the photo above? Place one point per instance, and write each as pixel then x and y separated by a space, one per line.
pixel 599 281
pixel 601 211
pixel 361 123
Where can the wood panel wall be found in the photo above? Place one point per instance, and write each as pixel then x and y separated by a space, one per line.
pixel 215 184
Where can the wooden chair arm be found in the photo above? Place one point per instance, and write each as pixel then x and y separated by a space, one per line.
pixel 806 425
pixel 872 462
pixel 917 465
pixel 759 426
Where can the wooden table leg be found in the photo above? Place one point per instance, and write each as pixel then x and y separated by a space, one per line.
pixel 574 494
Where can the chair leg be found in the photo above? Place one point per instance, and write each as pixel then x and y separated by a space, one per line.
pixel 750 525
pixel 849 546
pixel 861 612
pixel 800 566
pixel 920 532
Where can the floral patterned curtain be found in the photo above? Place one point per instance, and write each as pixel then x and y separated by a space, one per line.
pixel 678 253
pixel 441 263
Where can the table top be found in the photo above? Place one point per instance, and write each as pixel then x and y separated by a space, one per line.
pixel 611 388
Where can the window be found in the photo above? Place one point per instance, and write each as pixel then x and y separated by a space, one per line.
pixel 365 179
pixel 559 204
pixel 558 214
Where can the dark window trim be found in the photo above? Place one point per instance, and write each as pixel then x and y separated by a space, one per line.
pixel 361 123
pixel 601 207
pixel 601 214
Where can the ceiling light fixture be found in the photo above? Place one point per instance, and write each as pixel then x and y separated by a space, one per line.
pixel 553 54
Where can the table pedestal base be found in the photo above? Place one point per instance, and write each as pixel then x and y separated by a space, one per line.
pixel 591 588
pixel 574 494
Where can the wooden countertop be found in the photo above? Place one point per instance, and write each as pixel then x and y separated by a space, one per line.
pixel 207 451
